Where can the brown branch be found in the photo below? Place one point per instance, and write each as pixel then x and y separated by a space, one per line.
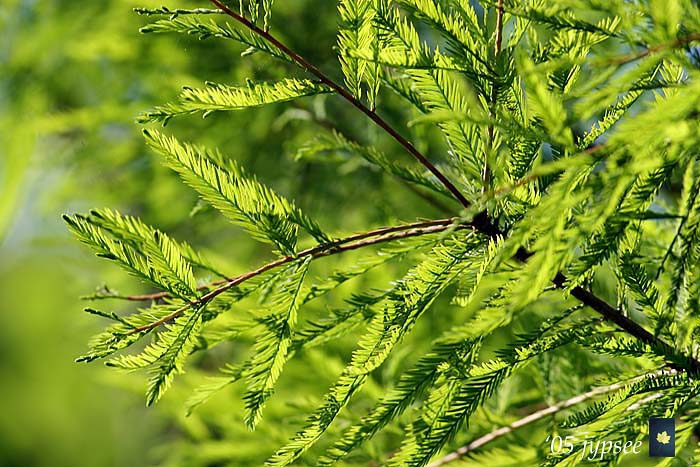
pixel 347 244
pixel 335 243
pixel 680 42
pixel 345 94
pixel 533 417
pixel 481 222
pixel 177 11
pixel 614 315
pixel 493 101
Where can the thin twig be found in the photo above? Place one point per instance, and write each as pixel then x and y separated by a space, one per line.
pixel 335 243
pixel 681 41
pixel 344 93
pixel 533 417
pixel 616 316
pixel 427 197
pixel 177 11
pixel 669 251
pixel 350 243
pixel 482 222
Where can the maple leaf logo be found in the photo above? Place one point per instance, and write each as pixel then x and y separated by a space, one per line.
pixel 663 437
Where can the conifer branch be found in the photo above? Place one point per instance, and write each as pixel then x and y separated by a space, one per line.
pixel 482 221
pixel 347 244
pixel 533 417
pixel 551 237
pixel 345 94
pixel 493 100
pixel 680 42
pixel 590 299
pixel 427 197
pixel 676 237
pixel 177 11
pixel 336 243
pixel 630 326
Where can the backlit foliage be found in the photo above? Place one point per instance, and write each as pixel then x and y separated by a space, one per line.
pixel 561 140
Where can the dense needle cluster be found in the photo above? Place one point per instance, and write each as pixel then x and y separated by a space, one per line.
pixel 568 159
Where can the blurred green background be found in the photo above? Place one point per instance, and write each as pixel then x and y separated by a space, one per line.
pixel 73 77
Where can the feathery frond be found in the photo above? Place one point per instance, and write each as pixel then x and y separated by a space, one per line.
pixel 206 29
pixel 568 135
pixel 244 200
pixel 273 343
pixel 158 261
pixel 220 97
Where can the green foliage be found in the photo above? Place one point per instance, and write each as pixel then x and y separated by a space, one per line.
pixel 204 30
pixel 359 34
pixel 434 90
pixel 244 200
pixel 153 256
pixel 172 348
pixel 324 145
pixel 449 352
pixel 274 341
pixel 459 397
pixel 568 135
pixel 405 303
pixel 217 97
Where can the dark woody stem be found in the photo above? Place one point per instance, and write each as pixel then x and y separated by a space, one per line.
pixel 347 244
pixel 334 244
pixel 345 94
pixel 482 222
